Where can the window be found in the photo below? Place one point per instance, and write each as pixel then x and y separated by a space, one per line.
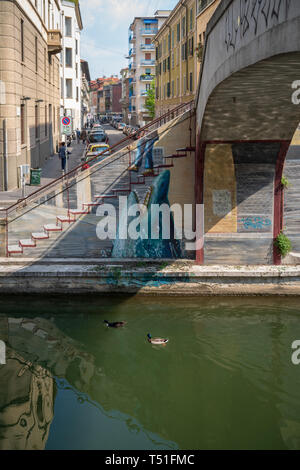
pixel 44 10
pixel 169 43
pixel 61 88
pixel 76 47
pixel 148 41
pixel 172 88
pixel 22 124
pixel 191 46
pixel 68 26
pixel 49 14
pixel 164 65
pixel 168 63
pixel 148 86
pixel 173 38
pixel 45 64
pixel 68 57
pixel 191 18
pixel 178 32
pixel 54 119
pixel 177 86
pixel 76 67
pixel 148 71
pixel 168 90
pixel 36 54
pixel 46 126
pixel 36 119
pixel 172 60
pixel 69 86
pixel 148 56
pixel 77 93
pixel 184 84
pixel 183 23
pixel 191 81
pixel 22 40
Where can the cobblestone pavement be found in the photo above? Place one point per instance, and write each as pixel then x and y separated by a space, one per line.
pixel 52 168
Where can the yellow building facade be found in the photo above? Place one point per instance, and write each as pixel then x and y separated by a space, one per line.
pixel 178 52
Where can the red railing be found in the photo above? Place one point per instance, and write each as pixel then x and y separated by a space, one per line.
pixel 141 132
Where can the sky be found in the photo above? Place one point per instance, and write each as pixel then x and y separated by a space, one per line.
pixel 104 39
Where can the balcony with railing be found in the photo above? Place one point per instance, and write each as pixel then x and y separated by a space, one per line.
pixel 132 66
pixel 132 38
pixel 147 47
pixel 149 31
pixel 148 63
pixel 132 52
pixel 54 41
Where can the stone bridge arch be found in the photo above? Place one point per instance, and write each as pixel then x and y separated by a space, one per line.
pixel 246 119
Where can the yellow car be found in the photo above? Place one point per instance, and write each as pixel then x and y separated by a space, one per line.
pixel 95 150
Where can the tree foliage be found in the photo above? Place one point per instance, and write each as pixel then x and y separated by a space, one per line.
pixel 150 100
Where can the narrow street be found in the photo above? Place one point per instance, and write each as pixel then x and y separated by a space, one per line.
pixel 52 168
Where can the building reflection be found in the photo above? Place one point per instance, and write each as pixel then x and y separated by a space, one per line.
pixel 37 353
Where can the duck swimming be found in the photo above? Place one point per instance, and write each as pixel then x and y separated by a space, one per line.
pixel 115 324
pixel 161 341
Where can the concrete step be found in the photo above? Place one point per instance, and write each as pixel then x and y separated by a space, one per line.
pixel 27 243
pixel 105 196
pixel 64 219
pixel 177 155
pixel 15 249
pixel 92 204
pixel 52 228
pixel 40 236
pixel 78 212
pixel 186 149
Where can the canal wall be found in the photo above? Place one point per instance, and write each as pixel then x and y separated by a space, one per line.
pixel 145 278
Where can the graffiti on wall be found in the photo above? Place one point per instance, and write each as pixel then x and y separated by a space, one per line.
pixel 244 18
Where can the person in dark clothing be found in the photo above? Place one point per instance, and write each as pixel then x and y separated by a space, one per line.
pixel 63 155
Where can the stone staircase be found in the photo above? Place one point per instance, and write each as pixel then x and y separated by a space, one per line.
pixel 65 232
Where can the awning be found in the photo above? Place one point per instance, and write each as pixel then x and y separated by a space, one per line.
pixel 150 21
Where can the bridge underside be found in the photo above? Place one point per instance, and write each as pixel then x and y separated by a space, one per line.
pixel 245 134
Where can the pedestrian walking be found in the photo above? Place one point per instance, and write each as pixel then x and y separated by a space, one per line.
pixel 63 155
pixel 78 136
pixel 83 136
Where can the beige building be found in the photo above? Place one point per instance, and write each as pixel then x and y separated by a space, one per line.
pixel 178 52
pixel 29 85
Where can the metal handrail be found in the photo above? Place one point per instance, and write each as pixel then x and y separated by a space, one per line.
pixel 149 126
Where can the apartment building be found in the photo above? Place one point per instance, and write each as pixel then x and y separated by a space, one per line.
pixel 105 96
pixel 85 93
pixel 179 45
pixel 29 85
pixel 142 63
pixel 70 69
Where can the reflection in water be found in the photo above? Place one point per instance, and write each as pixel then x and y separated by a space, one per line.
pixel 225 379
pixel 26 403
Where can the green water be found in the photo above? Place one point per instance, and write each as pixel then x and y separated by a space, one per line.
pixel 225 380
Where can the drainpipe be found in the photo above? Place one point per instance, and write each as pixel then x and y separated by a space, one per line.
pixel 170 62
pixel 5 156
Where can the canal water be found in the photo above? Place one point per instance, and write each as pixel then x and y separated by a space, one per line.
pixel 225 380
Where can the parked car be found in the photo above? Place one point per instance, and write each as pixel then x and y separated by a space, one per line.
pixel 97 150
pixel 97 137
pixel 120 126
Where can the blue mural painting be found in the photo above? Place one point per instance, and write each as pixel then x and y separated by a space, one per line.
pixel 145 246
pixel 255 223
